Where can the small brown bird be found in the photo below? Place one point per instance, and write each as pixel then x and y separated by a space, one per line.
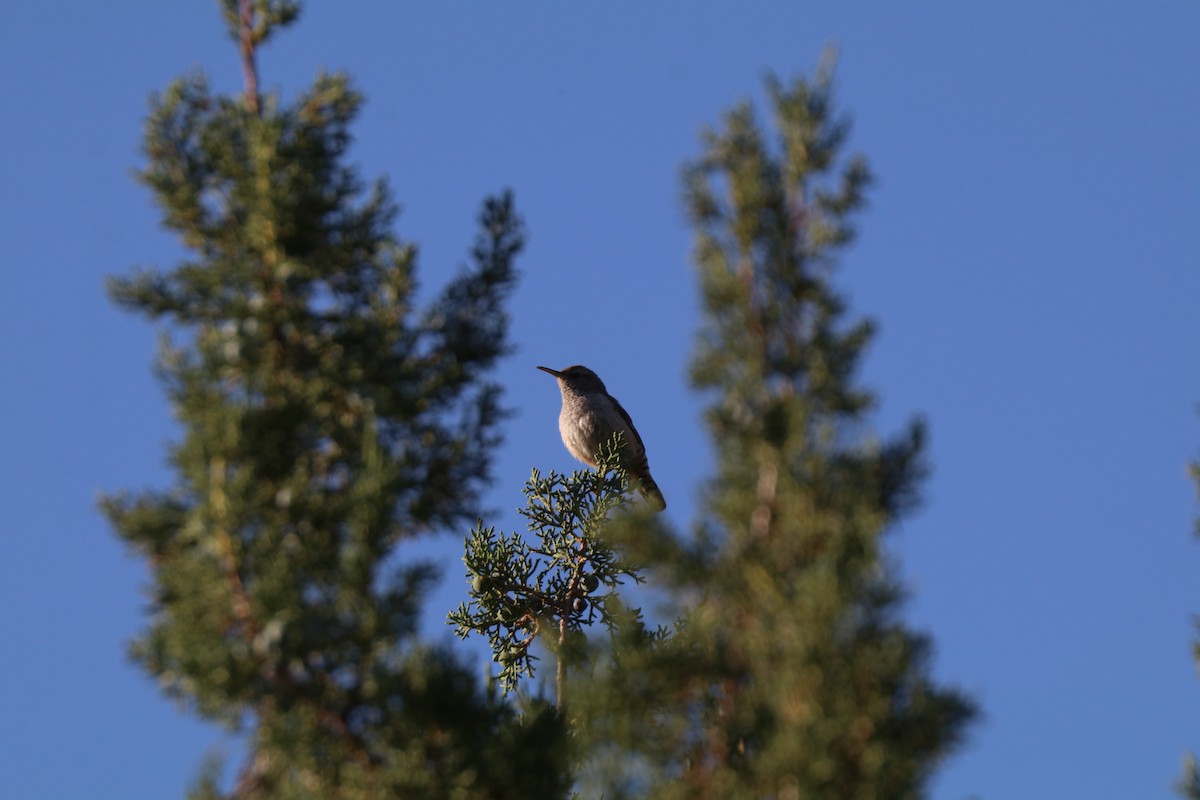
pixel 589 418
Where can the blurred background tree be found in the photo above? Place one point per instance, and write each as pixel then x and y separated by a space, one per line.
pixel 790 673
pixel 326 420
pixel 1189 783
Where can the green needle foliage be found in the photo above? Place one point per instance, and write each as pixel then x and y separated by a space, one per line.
pixel 1189 783
pixel 555 588
pixel 791 674
pixel 326 419
pixel 813 686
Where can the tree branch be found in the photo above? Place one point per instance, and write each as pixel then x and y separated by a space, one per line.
pixel 249 69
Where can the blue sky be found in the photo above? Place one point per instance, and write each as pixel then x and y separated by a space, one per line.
pixel 1031 253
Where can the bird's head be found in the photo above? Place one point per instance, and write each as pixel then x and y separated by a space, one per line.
pixel 578 379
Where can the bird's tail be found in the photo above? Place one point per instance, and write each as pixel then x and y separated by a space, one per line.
pixel 637 470
pixel 649 489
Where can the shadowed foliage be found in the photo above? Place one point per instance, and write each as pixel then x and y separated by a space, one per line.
pixel 790 673
pixel 326 420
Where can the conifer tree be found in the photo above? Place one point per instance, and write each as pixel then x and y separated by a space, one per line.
pixel 1189 783
pixel 791 674
pixel 558 586
pixel 326 420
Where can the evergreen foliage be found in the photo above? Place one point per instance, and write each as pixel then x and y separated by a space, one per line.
pixel 1189 783
pixel 326 419
pixel 556 588
pixel 790 674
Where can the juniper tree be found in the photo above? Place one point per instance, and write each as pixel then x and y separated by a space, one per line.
pixel 791 673
pixel 555 583
pixel 326 420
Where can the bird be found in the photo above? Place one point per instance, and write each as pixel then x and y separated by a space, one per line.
pixel 589 418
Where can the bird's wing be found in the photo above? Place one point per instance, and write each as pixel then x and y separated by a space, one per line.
pixel 629 423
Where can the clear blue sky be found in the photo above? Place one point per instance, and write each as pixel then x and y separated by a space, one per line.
pixel 1032 254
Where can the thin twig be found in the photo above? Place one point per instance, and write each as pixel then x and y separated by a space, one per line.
pixel 560 668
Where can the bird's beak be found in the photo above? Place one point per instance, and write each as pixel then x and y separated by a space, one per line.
pixel 549 371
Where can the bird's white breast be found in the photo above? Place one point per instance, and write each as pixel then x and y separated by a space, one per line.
pixel 586 422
